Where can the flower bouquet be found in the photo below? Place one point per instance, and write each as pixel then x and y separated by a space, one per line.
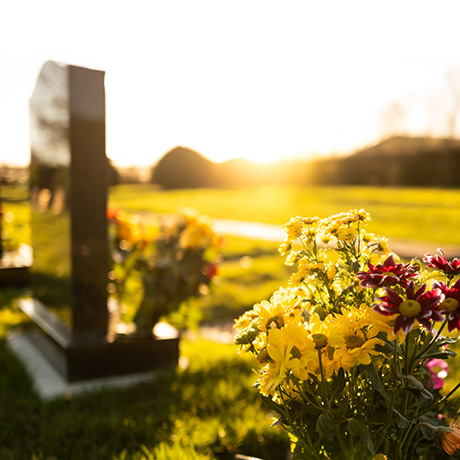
pixel 352 354
pixel 173 265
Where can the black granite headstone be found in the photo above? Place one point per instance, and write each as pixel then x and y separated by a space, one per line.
pixel 1 224
pixel 68 189
pixel 68 193
pixel 14 266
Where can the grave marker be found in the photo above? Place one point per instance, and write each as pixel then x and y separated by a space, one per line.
pixel 68 186
pixel 14 265
pixel 68 189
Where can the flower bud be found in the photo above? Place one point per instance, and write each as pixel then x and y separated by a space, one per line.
pixel 320 340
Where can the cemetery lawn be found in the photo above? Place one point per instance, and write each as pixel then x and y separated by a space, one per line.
pixel 251 270
pixel 207 411
pixel 416 214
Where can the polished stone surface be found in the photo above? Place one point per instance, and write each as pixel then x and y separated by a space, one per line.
pixel 76 361
pixel 68 189
pixel 50 384
pixel 15 267
pixel 14 264
pixel 68 185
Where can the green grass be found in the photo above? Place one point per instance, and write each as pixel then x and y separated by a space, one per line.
pixel 15 225
pixel 207 411
pixel 242 283
pixel 403 213
pixel 422 214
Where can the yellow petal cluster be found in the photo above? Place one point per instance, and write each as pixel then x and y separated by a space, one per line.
pixel 198 234
pixel 281 309
pixel 130 227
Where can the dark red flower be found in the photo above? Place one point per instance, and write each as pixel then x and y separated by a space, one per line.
pixel 211 270
pixel 450 306
pixel 418 305
pixel 112 213
pixel 388 274
pixel 451 268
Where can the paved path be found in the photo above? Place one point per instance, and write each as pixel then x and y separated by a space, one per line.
pixel 223 331
pixel 406 249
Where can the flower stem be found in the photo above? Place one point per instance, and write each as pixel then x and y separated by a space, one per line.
pixel 433 340
pixel 437 403
pixel 328 406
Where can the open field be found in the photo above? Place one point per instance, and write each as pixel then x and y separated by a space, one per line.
pixel 430 215
pixel 420 214
pixel 251 270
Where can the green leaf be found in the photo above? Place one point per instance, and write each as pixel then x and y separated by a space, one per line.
pixel 338 384
pixel 299 452
pixel 272 404
pixel 355 266
pixel 427 432
pixel 374 379
pixel 359 428
pixel 402 421
pixel 325 426
pixel 415 386
pixel 443 354
pixel 280 422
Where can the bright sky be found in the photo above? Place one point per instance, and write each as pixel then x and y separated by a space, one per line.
pixel 240 78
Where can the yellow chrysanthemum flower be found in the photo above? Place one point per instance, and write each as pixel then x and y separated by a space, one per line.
pixel 374 258
pixel 294 346
pixel 325 238
pixel 260 343
pixel 130 227
pixel 285 247
pixel 271 376
pixel 280 310
pixel 243 321
pixel 357 349
pixel 347 234
pixel 197 235
pixel 355 317
pixel 325 331
pixel 294 228
pixel 297 278
pixel 292 258
pixel 383 246
pixel 367 237
pixel 327 336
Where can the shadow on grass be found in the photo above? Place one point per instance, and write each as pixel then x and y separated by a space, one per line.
pixel 210 408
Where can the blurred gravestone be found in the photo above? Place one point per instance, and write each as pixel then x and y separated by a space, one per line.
pixel 14 264
pixel 1 224
pixel 68 194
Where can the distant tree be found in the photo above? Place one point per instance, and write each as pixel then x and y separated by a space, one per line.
pixel 397 161
pixel 114 175
pixel 131 175
pixel 183 167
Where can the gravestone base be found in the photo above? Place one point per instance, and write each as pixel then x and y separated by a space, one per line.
pixel 14 268
pixel 49 383
pixel 85 360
